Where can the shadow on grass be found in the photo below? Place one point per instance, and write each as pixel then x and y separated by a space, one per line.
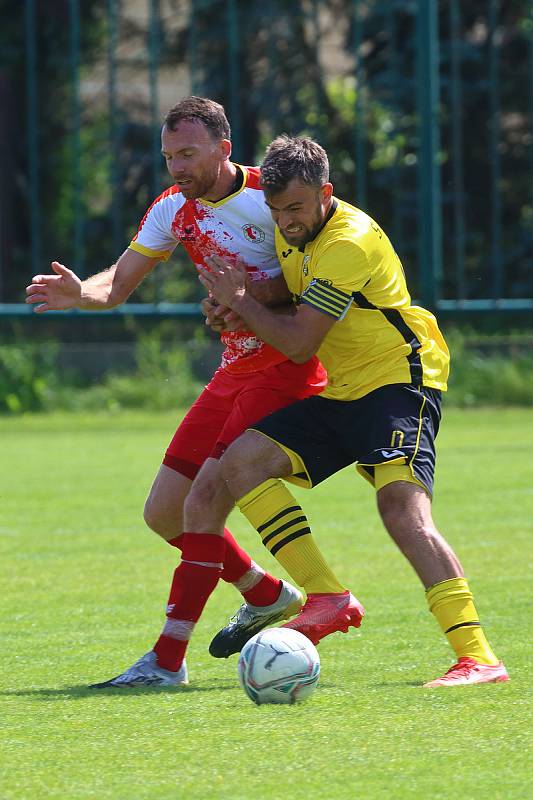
pixel 83 692
pixel 390 684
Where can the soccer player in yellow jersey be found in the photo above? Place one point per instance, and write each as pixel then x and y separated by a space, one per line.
pixel 387 364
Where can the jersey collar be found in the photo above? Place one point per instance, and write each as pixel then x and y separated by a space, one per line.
pixel 240 182
pixel 329 215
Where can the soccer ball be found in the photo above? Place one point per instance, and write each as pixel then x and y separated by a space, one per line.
pixel 278 665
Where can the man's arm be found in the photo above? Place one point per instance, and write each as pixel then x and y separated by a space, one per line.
pixel 297 335
pixel 272 292
pixel 105 290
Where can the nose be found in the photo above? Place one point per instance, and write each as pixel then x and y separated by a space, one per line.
pixel 175 165
pixel 284 219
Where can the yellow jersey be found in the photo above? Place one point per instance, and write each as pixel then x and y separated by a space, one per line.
pixel 351 272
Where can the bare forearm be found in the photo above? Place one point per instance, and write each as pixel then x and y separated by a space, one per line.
pixel 113 286
pixel 62 289
pixel 277 327
pixel 97 291
pixel 271 292
pixel 298 334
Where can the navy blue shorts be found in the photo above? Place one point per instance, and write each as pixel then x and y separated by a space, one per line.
pixel 394 424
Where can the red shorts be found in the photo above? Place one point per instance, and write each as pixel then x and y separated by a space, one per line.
pixel 231 403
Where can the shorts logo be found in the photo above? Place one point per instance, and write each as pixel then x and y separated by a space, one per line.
pixel 396 440
pixel 253 233
pixel 305 265
pixel 392 453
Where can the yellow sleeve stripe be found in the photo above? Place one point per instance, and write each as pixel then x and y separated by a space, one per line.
pixel 163 255
pixel 327 299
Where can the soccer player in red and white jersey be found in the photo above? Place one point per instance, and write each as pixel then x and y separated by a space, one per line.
pixel 214 207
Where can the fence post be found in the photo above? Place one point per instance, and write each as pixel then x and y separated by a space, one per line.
pixel 233 76
pixel 33 136
pixel 75 48
pixel 360 110
pixel 495 167
pixel 430 233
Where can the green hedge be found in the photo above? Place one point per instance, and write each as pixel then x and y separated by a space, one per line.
pixel 31 380
pixel 495 371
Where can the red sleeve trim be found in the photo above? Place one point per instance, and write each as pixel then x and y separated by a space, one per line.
pixel 253 177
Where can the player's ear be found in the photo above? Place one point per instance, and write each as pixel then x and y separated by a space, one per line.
pixel 327 191
pixel 225 146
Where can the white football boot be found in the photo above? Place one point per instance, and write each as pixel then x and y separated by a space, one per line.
pixel 146 672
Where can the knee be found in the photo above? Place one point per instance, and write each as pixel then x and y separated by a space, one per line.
pixel 150 514
pixel 152 517
pixel 160 521
pixel 202 497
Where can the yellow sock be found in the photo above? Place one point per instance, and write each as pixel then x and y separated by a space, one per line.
pixel 284 529
pixel 452 604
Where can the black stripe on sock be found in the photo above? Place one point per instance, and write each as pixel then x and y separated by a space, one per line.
pixel 464 625
pixel 279 545
pixel 278 516
pixel 282 528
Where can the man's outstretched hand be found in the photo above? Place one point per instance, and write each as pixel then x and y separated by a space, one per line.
pixel 54 292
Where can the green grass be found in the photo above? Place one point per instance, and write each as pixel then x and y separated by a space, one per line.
pixel 85 585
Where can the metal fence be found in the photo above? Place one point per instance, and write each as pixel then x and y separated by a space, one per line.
pixel 408 81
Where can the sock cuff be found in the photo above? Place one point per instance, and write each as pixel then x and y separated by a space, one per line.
pixel 207 547
pixel 176 541
pixel 259 491
pixel 447 590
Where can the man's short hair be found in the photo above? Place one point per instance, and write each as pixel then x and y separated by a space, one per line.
pixel 200 109
pixel 293 157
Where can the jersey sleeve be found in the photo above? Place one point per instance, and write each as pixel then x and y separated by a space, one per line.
pixel 154 237
pixel 341 270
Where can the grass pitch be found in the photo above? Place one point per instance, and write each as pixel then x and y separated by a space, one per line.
pixel 84 589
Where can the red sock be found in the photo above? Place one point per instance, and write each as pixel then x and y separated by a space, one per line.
pixel 236 560
pixel 265 592
pixel 191 587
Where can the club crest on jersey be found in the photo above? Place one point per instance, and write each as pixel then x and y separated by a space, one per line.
pixel 305 265
pixel 253 233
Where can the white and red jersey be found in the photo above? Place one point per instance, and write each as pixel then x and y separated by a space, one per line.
pixel 239 226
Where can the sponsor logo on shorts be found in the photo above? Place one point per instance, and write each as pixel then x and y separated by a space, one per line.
pixel 392 453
